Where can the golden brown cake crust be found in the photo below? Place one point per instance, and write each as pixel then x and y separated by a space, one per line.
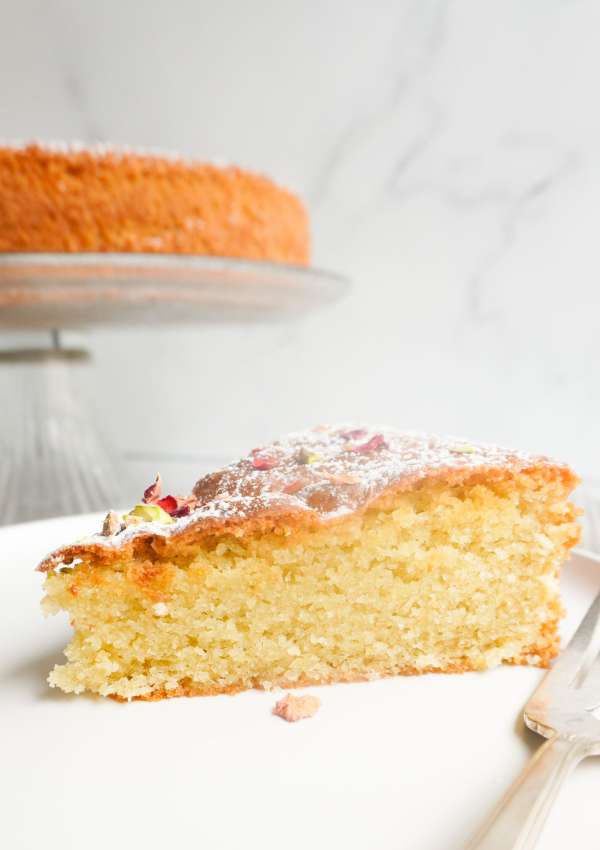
pixel 312 479
pixel 107 200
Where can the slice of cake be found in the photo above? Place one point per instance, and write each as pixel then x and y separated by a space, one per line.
pixel 335 555
pixel 102 199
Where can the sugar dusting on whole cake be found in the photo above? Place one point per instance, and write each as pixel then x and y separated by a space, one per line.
pixel 106 149
pixel 325 473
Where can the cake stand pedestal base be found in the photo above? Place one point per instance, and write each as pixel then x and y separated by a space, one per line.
pixel 54 461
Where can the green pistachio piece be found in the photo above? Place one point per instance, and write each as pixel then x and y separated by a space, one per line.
pixel 303 456
pixel 151 513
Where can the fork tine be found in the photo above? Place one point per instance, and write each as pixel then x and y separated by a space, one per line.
pixel 573 656
pixel 588 695
pixel 585 630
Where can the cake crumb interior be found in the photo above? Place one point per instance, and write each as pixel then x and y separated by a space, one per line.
pixel 438 578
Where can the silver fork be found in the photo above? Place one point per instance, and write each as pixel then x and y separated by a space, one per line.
pixel 560 709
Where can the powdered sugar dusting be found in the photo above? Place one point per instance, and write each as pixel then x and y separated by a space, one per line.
pixel 104 149
pixel 98 149
pixel 333 470
pixel 101 150
pixel 326 473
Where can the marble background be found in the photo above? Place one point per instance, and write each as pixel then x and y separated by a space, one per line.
pixel 449 153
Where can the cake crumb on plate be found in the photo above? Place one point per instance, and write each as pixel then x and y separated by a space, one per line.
pixel 292 708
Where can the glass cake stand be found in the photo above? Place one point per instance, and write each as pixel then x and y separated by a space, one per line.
pixel 54 460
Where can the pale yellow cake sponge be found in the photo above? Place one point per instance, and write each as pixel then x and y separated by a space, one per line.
pixel 438 578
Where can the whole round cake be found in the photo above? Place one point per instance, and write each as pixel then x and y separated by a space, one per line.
pixel 100 199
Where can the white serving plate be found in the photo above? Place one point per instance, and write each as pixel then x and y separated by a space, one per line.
pixel 404 764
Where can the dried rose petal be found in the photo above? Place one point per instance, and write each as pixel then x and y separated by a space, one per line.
pixel 112 524
pixel 264 462
pixel 152 493
pixel 293 487
pixel 354 434
pixel 191 501
pixel 376 442
pixel 168 504
pixel 184 510
pixel 293 708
